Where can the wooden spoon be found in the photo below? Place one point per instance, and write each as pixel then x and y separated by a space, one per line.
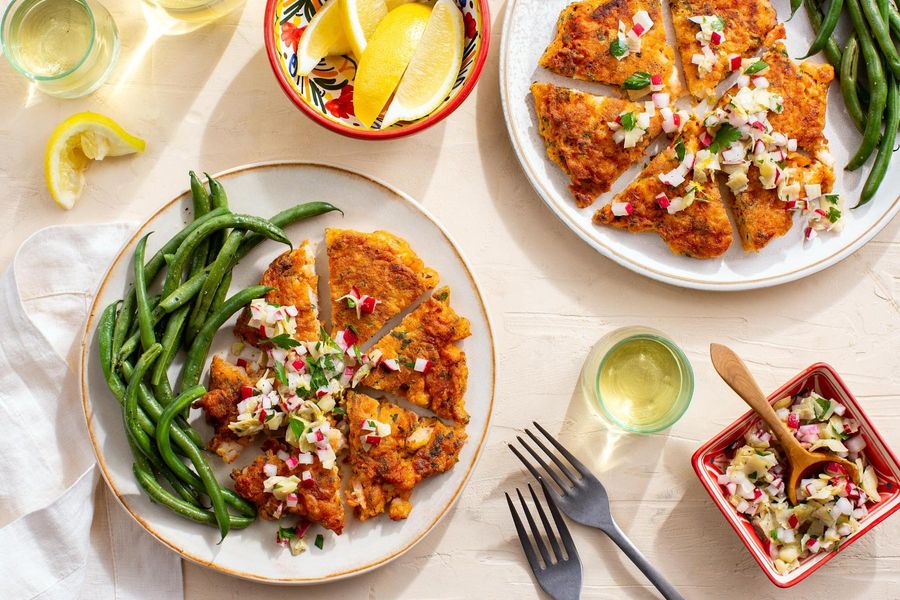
pixel 800 460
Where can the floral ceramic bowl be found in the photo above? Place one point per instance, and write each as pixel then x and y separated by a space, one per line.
pixel 326 95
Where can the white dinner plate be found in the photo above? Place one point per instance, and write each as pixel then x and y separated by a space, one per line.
pixel 368 205
pixel 531 24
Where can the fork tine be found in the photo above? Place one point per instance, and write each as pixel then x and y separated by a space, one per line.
pixel 562 450
pixel 551 537
pixel 560 524
pixel 562 467
pixel 534 472
pixel 523 536
pixel 543 464
pixel 538 540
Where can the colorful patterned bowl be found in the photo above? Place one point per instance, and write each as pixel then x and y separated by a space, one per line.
pixel 326 95
pixel 824 380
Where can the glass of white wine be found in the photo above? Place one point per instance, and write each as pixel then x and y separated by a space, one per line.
pixel 186 15
pixel 638 379
pixel 67 47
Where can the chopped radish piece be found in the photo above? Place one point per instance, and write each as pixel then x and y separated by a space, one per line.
pixel 656 80
pixel 622 209
pixel 734 62
pixel 246 392
pixel 373 440
pixel 291 500
pixel 792 145
pixel 242 362
pixel 793 420
pixel 638 29
pixel 270 470
pixel 422 365
pixel 706 139
pixel 642 18
pixel 391 364
pixel 716 38
pixel 662 200
pixel 367 305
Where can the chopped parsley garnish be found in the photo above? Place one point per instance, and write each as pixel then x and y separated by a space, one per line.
pixel 833 198
pixel 320 541
pixel 280 374
pixel 679 148
pixel 717 23
pixel 628 121
pixel 756 67
pixel 823 406
pixel 398 334
pixel 296 426
pixel 637 81
pixel 286 533
pixel 351 302
pixel 725 136
pixel 338 410
pixel 617 48
pixel 442 296
pixel 833 214
pixel 285 341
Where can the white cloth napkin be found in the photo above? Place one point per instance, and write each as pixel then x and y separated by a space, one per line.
pixel 62 534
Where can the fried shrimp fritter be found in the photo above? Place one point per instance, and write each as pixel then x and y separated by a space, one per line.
pixel 430 332
pixel 380 265
pixel 746 25
pixel 385 474
pixel 702 230
pixel 578 139
pixel 759 214
pixel 317 501
pixel 293 277
pixel 585 31
pixel 219 405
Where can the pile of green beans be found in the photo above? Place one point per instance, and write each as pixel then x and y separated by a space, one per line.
pixel 140 335
pixel 872 102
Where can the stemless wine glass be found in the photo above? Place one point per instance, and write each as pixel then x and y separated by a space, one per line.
pixel 638 380
pixel 67 47
pixel 191 12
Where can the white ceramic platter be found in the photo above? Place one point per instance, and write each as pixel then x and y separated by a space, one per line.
pixel 530 25
pixel 368 205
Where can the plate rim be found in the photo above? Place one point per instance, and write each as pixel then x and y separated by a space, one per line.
pixel 679 281
pixel 89 328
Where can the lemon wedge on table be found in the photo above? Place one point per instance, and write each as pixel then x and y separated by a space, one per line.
pixel 324 36
pixel 360 18
pixel 387 54
pixel 434 66
pixel 77 141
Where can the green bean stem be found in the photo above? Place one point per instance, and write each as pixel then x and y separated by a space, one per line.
pixel 217 199
pixel 849 67
pixel 825 29
pixel 877 87
pixel 285 218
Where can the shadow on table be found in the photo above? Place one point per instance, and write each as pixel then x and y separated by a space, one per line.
pixel 255 121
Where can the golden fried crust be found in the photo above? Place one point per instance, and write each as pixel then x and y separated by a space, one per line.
pixel 429 332
pixel 219 406
pixel 319 503
pixel 578 139
pixel 585 31
pixel 702 230
pixel 759 214
pixel 380 265
pixel 746 26
pixel 293 277
pixel 385 475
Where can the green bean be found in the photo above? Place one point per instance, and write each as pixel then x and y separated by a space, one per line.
pixel 154 408
pixel 882 35
pixel 151 270
pixel 184 442
pixel 148 338
pixel 159 495
pixel 894 19
pixel 131 396
pixel 223 263
pixel 832 50
pixel 877 87
pixel 827 27
pixel 849 67
pixel 221 293
pixel 193 365
pixel 210 484
pixel 181 296
pixel 155 463
pixel 217 199
pixel 189 245
pixel 105 327
pixel 170 342
pixel 886 148
pixel 285 218
pixel 201 202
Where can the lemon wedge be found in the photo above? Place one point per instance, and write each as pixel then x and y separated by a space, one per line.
pixel 324 36
pixel 434 66
pixel 361 17
pixel 75 142
pixel 392 4
pixel 386 57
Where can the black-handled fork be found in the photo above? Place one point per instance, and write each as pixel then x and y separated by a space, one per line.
pixel 558 573
pixel 584 500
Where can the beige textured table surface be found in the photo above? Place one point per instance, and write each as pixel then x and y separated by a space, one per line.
pixel 209 101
